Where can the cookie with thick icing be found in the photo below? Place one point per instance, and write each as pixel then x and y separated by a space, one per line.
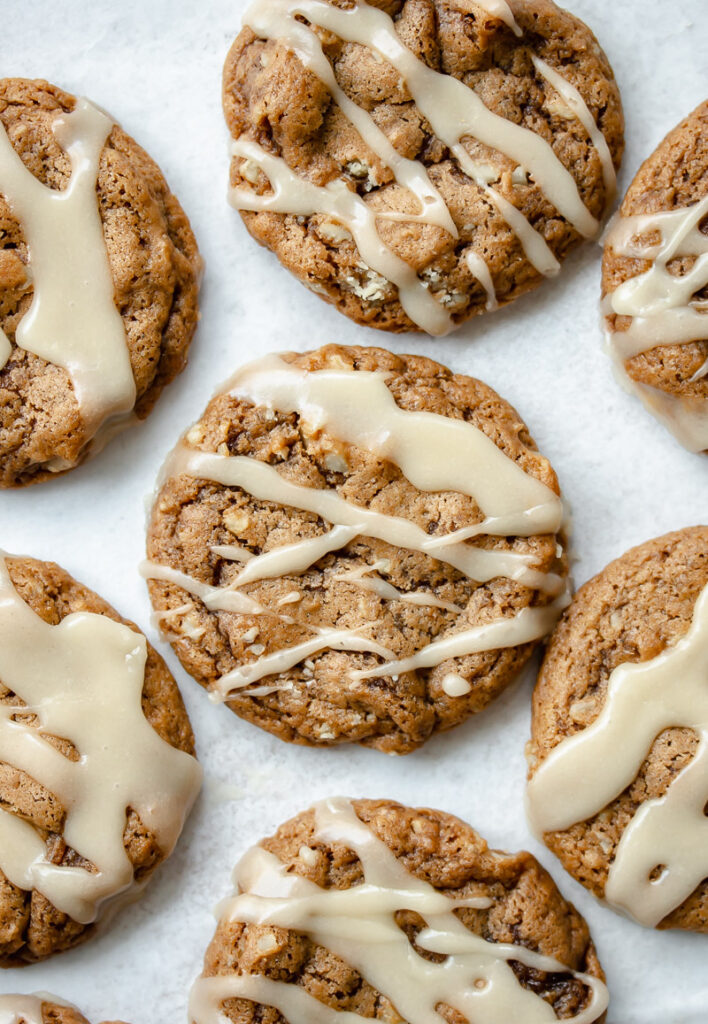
pixel 351 545
pixel 97 766
pixel 40 1009
pixel 99 274
pixel 418 163
pixel 655 283
pixel 619 751
pixel 368 909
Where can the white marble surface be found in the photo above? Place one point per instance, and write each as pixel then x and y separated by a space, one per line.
pixel 156 65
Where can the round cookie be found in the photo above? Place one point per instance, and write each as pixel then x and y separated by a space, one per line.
pixel 309 946
pixel 297 569
pixel 77 362
pixel 616 721
pixel 89 813
pixel 654 286
pixel 379 207
pixel 40 1009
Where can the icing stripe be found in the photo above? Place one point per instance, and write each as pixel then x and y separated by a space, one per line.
pixel 265 483
pixel 72 320
pixel 480 270
pixel 83 679
pixel 214 598
pixel 526 626
pixel 20 1009
pixel 276 20
pixel 354 407
pixel 578 106
pixel 452 109
pixel 358 408
pixel 359 926
pixel 5 348
pixel 500 9
pixel 298 556
pixel 288 657
pixel 661 307
pixel 454 112
pixel 362 578
pixel 295 195
pixel 588 770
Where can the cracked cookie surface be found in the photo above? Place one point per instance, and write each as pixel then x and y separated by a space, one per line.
pixel 196 523
pixel 272 99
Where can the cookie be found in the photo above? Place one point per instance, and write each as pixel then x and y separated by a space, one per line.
pixel 418 162
pixel 98 281
pixel 389 913
pixel 655 283
pixel 97 772
pixel 355 546
pixel 619 750
pixel 40 1009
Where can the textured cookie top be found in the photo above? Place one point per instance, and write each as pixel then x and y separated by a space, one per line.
pixel 419 161
pixel 98 281
pixel 44 1009
pixel 97 775
pixel 619 779
pixel 372 909
pixel 355 546
pixel 655 282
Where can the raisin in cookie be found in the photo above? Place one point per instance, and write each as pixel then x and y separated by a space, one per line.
pixel 355 546
pixel 373 909
pixel 98 281
pixel 418 162
pixel 40 1009
pixel 97 767
pixel 619 755
pixel 655 283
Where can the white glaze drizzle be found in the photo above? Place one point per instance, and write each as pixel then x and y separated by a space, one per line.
pixel 479 269
pixel 575 102
pixel 454 112
pixel 275 19
pixel 500 9
pixel 358 925
pixel 5 348
pixel 526 626
pixel 280 661
pixel 588 770
pixel 21 1009
pixel 72 320
pixel 264 482
pixel 295 195
pixel 357 408
pixel 454 685
pixel 83 679
pixel 362 577
pixel 660 304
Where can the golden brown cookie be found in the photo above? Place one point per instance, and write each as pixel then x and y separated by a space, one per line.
pixel 40 1009
pixel 153 268
pixel 301 610
pixel 357 140
pixel 659 335
pixel 111 740
pixel 624 671
pixel 321 942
